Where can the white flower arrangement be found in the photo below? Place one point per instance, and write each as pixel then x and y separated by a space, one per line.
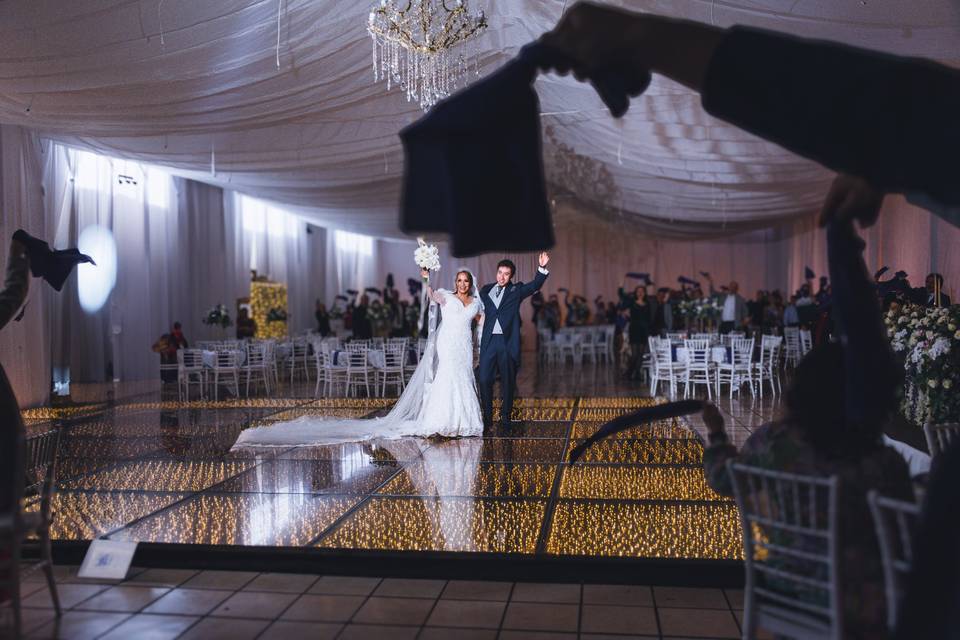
pixel 427 256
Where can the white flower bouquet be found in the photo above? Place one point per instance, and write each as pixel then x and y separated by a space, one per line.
pixel 427 256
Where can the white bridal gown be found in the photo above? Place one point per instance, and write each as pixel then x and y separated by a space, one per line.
pixel 441 398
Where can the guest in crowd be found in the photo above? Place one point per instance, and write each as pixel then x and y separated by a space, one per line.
pixel 791 318
pixel 600 314
pixel 246 326
pixel 611 313
pixel 662 313
pixel 638 327
pixel 362 328
pixel 322 317
pixel 167 346
pixel 733 314
pixel 756 309
pixel 537 301
pixel 773 314
pixel 932 294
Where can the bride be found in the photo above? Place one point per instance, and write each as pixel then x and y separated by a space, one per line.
pixel 441 398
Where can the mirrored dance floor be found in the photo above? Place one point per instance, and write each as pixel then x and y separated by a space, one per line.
pixel 163 472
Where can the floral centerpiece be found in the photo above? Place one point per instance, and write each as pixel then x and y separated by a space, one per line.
pixel 702 312
pixel 218 316
pixel 928 340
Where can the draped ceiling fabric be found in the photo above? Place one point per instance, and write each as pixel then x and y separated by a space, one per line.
pixel 196 86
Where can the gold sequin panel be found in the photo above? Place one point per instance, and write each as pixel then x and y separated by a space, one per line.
pixel 289 520
pixel 441 524
pixel 660 429
pixel 621 451
pixel 636 483
pixel 643 530
pixel 85 516
pixel 495 480
pixel 160 475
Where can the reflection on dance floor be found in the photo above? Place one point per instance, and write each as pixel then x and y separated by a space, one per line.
pixel 164 472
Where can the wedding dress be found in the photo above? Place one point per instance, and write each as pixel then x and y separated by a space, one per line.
pixel 441 398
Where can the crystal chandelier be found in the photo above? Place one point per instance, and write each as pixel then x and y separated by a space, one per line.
pixel 412 42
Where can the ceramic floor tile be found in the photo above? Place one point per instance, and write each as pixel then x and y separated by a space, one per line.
pixel 465 613
pixel 281 582
pixel 326 608
pixel 697 623
pixel 695 598
pixel 395 611
pixel 616 619
pixel 284 630
pixel 410 588
pixel 477 590
pixel 189 602
pixel 345 585
pixel 80 625
pixel 227 580
pixel 617 594
pixel 377 632
pixel 70 595
pixel 452 633
pixel 162 577
pixel 151 627
pixel 125 599
pixel 546 592
pixel 254 605
pixel 530 616
pixel 225 629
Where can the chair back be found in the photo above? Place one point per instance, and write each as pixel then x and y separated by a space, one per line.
pixel 662 354
pixel 226 360
pixel 708 337
pixel 806 342
pixel 741 351
pixel 257 354
pixel 770 349
pixel 789 524
pixel 698 353
pixel 40 469
pixel 191 359
pixel 895 522
pixel 697 343
pixel 676 336
pixel 941 436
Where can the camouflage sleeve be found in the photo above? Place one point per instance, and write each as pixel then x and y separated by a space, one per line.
pixel 15 284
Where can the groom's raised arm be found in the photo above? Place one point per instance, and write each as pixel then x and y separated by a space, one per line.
pixel 529 288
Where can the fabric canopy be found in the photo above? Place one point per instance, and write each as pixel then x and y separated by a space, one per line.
pixel 276 98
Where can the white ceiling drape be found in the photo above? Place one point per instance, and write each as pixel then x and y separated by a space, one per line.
pixel 195 86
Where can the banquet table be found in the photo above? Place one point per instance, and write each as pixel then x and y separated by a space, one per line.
pixel 376 357
pixel 210 357
pixel 718 354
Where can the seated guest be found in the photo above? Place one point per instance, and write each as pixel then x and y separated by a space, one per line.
pixel 246 326
pixel 841 395
pixel 167 346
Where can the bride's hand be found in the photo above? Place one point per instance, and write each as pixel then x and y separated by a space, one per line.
pixel 425 274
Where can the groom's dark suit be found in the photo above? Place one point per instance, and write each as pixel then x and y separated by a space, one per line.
pixel 500 352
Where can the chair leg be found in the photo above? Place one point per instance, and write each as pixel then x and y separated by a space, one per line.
pixel 47 557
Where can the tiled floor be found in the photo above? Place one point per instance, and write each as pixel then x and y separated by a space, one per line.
pixel 159 604
pixel 163 472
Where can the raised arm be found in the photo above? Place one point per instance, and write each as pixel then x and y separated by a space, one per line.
pixel 529 288
pixel 433 295
pixel 16 284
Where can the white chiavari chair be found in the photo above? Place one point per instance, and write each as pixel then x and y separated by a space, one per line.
pixel 257 363
pixel 190 371
pixel 768 368
pixel 358 368
pixel 739 368
pixel 941 436
pixel 895 522
pixel 226 371
pixel 699 367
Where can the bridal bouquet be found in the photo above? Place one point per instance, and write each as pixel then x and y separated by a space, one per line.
pixel 928 340
pixel 218 316
pixel 276 315
pixel 426 256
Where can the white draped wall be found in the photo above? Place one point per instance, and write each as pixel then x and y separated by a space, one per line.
pixel 184 246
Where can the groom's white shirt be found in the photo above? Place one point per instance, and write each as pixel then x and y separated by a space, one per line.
pixel 496 294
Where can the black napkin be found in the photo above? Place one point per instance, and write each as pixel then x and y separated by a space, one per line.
pixel 51 265
pixel 474 163
pixel 638 417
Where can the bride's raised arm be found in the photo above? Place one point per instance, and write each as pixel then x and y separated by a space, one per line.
pixel 433 295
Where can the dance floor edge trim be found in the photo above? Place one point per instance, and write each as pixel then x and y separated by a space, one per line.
pixel 445 565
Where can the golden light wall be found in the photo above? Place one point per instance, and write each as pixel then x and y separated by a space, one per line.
pixel 265 296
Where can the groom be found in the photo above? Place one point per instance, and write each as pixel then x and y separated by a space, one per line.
pixel 500 342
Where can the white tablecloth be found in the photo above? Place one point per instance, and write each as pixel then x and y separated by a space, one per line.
pixel 717 354
pixel 376 357
pixel 210 357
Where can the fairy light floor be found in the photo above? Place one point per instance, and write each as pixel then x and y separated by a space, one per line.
pixel 162 473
